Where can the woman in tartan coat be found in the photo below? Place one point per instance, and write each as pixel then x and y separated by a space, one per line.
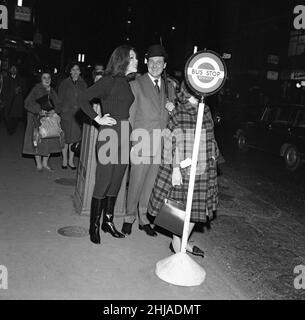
pixel 172 180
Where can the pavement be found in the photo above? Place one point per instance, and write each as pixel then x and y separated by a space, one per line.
pixel 43 264
pixel 242 253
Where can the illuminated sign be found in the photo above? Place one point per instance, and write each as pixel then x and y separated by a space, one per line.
pixel 55 44
pixel 205 72
pixel 272 75
pixel 23 13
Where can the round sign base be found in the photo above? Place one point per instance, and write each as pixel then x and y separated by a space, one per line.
pixel 181 270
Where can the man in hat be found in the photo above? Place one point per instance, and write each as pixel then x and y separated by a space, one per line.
pixel 153 102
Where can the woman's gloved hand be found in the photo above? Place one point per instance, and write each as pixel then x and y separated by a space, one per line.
pixel 106 120
pixel 177 177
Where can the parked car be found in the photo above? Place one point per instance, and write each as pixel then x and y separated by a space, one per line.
pixel 280 130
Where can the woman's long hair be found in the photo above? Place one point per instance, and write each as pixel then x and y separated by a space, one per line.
pixel 119 61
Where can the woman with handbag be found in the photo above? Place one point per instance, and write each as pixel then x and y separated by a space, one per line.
pixel 172 181
pixel 43 134
pixel 116 98
pixel 68 92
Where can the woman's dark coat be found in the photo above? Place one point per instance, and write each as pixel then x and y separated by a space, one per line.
pixel 68 93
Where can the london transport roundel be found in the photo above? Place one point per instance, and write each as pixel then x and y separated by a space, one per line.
pixel 205 72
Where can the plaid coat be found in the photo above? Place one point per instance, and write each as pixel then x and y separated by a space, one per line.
pixel 205 197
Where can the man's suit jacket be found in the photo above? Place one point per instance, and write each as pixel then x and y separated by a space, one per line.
pixel 148 110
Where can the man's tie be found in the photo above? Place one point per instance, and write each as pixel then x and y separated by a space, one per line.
pixel 157 86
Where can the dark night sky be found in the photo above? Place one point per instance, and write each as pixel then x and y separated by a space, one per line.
pixel 99 26
pixel 96 27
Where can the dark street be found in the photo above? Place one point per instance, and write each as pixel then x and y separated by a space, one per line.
pixel 260 237
pixel 266 176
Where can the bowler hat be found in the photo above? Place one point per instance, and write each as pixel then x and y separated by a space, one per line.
pixel 156 50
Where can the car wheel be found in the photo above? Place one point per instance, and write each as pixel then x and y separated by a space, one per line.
pixel 292 158
pixel 242 142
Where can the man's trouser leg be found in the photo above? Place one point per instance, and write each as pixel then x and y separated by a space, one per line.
pixel 136 181
pixel 146 192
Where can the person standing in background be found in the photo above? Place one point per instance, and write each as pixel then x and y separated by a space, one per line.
pixel 13 95
pixel 41 101
pixel 1 95
pixel 68 93
pixel 98 71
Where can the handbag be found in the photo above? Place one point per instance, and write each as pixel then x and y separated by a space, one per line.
pixel 50 126
pixel 171 216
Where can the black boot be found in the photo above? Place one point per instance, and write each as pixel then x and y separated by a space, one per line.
pixel 108 225
pixel 97 207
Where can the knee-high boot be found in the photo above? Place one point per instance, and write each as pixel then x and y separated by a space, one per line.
pixel 97 208
pixel 108 225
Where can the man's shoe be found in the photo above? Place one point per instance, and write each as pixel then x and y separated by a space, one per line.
pixel 148 229
pixel 126 228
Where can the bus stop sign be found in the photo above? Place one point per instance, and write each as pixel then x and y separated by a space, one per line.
pixel 205 72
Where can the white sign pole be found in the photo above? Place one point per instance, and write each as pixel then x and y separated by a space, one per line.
pixel 192 176
pixel 180 269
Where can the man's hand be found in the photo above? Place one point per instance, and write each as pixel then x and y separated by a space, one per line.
pixel 169 106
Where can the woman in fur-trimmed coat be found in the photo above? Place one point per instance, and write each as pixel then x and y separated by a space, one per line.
pixel 172 181
pixel 46 146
